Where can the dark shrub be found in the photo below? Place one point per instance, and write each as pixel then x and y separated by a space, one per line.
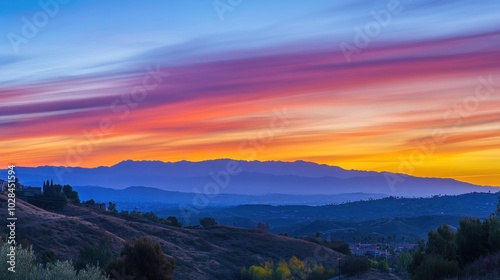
pixel 172 220
pixel 354 265
pixel 435 267
pixel 484 267
pixel 99 255
pixel 143 259
pixel 208 221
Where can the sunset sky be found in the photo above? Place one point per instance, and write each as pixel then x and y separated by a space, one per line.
pixel 263 80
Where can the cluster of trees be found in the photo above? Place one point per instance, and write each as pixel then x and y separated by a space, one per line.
pixel 138 215
pixel 381 265
pixel 139 259
pixel 55 196
pixel 152 217
pixel 207 222
pixel 293 269
pixel 447 253
pixel 98 256
pixel 27 267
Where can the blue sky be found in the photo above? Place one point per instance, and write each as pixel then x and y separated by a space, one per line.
pixel 84 33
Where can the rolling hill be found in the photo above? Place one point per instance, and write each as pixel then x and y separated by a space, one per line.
pixel 217 252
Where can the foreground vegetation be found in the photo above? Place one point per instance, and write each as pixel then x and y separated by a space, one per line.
pixel 472 250
pixel 293 269
pixel 141 259
pixel 27 267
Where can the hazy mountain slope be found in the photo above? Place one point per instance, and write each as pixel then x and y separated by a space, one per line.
pixel 472 204
pixel 154 196
pixel 410 216
pixel 300 178
pixel 410 229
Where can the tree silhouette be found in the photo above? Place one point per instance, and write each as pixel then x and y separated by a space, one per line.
pixel 112 208
pixel 143 259
pixel 208 221
pixel 71 194
pixel 172 220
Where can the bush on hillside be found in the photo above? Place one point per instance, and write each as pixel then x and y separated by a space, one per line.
pixel 142 259
pixel 27 268
pixel 436 267
pixel 354 265
pixel 208 222
pixel 99 255
pixel 293 269
pixel 172 220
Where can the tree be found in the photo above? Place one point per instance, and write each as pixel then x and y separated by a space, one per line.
pixel 404 260
pixel 71 194
pixel 112 208
pixel 208 222
pixel 442 242
pixel 98 256
pixel 90 202
pixel 143 259
pixel 282 271
pixel 383 266
pixel 296 267
pixel 260 273
pixel 472 240
pixel 172 220
pixel 49 190
pixel 52 197
pixel 435 267
pixel 492 226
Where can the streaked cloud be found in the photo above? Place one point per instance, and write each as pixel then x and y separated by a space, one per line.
pixel 224 84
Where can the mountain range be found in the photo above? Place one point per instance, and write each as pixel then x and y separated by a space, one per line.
pixel 225 176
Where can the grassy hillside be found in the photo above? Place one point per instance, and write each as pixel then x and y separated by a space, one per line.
pixel 200 253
